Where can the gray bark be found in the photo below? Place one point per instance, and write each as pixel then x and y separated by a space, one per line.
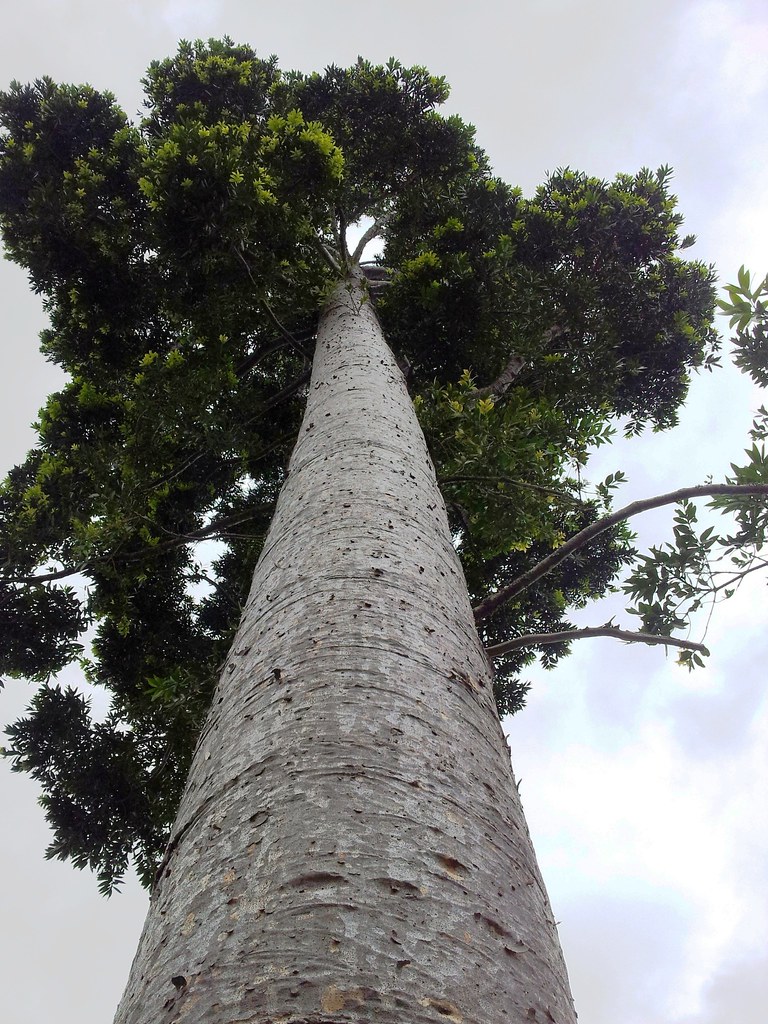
pixel 350 845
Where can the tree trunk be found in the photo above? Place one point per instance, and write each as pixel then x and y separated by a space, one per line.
pixel 350 845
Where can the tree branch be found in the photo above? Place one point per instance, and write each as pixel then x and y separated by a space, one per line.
pixel 253 360
pixel 736 578
pixel 513 368
pixel 328 256
pixel 497 388
pixel 539 639
pixel 219 527
pixel 583 537
pixel 368 235
pixel 273 317
pixel 58 574
pixel 287 392
pixel 343 249
pixel 514 483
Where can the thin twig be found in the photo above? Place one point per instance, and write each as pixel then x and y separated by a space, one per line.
pixel 514 483
pixel 736 580
pixel 58 574
pixel 273 317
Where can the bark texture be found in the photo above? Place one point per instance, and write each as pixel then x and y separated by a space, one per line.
pixel 351 846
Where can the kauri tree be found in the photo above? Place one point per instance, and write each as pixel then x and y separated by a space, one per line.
pixel 307 698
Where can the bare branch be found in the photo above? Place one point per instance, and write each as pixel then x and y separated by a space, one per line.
pixel 287 392
pixel 513 368
pixel 583 537
pixel 497 388
pixel 294 341
pixel 540 639
pixel 58 574
pixel 343 248
pixel 368 235
pixel 284 330
pixel 328 256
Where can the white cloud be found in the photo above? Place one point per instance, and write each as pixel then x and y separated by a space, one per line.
pixel 190 18
pixel 737 992
pixel 733 38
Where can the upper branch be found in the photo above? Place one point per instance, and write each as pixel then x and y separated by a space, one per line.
pixel 368 235
pixel 583 537
pixel 328 256
pixel 503 381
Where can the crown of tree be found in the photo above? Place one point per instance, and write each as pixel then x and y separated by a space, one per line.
pixel 184 261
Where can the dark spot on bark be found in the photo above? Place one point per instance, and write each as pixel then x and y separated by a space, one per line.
pixel 316 880
pixel 452 865
pixel 398 887
pixel 446 1009
pixel 402 963
pixel 179 981
pixel 495 926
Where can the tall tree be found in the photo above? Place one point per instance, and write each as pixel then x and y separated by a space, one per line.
pixel 349 843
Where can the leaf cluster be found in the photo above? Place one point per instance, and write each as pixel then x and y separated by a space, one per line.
pixel 747 310
pixel 583 281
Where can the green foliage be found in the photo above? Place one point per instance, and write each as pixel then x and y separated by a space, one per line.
pixel 582 281
pixel 106 790
pixel 747 309
pixel 384 120
pixel 697 570
pixel 40 630
pixel 183 262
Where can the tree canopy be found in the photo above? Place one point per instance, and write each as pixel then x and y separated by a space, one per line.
pixel 183 262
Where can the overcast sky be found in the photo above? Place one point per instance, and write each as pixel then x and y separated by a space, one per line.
pixel 645 787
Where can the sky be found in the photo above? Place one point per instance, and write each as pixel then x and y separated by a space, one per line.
pixel 645 787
